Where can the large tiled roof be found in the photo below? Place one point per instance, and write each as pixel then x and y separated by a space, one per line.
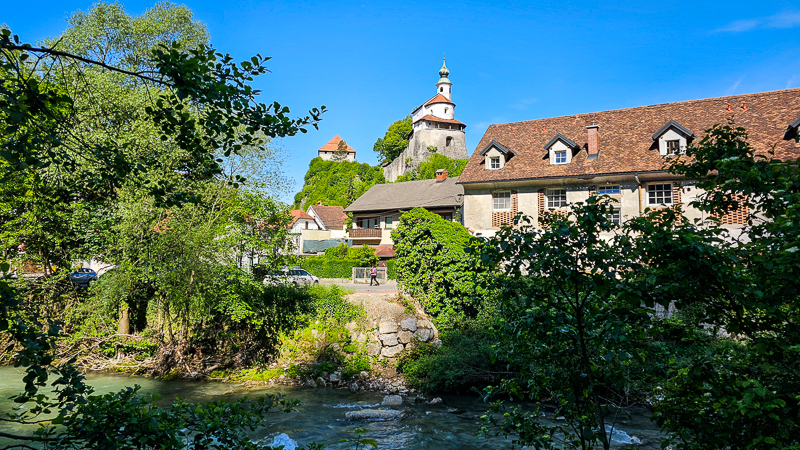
pixel 438 119
pixel 332 217
pixel 333 145
pixel 439 98
pixel 626 136
pixel 408 195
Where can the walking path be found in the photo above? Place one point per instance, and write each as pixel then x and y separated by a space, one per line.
pixel 388 287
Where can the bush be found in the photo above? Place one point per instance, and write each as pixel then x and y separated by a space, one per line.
pixel 434 268
pixel 391 269
pixel 329 303
pixel 462 362
pixel 327 268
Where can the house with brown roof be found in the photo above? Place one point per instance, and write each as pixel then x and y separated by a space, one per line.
pixel 548 164
pixel 301 223
pixel 337 150
pixel 329 218
pixel 378 211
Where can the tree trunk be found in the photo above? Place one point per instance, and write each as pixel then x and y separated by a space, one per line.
pixel 124 321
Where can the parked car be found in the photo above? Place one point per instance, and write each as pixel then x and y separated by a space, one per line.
pixel 83 276
pixel 297 277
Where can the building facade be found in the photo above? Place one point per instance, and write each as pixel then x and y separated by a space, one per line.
pixel 378 211
pixel 337 150
pixel 433 125
pixel 548 164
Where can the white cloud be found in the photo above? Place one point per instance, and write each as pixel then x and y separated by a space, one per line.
pixel 733 87
pixel 786 19
pixel 738 26
pixel 791 81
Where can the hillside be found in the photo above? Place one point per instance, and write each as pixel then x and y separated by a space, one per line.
pixel 426 170
pixel 336 183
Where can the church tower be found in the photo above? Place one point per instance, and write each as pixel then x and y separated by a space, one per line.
pixel 434 129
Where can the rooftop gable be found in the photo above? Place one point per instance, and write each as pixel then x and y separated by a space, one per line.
pixel 332 217
pixel 333 145
pixel 560 137
pixel 500 147
pixel 672 124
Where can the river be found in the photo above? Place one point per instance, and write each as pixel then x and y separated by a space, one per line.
pixel 320 416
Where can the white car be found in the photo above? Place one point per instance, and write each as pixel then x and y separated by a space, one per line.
pixel 296 276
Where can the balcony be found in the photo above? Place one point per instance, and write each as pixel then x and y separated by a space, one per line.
pixel 366 233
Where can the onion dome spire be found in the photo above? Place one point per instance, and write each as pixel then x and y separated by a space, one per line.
pixel 444 73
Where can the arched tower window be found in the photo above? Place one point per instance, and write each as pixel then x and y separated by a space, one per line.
pixel 449 141
pixel 441 89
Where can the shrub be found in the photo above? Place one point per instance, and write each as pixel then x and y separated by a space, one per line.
pixel 327 268
pixel 462 362
pixel 434 268
pixel 391 269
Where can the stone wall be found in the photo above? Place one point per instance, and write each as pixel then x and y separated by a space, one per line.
pixel 393 336
pixel 417 150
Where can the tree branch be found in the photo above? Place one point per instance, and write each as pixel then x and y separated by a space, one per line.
pixel 50 51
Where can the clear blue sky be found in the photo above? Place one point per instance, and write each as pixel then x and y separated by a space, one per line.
pixel 372 63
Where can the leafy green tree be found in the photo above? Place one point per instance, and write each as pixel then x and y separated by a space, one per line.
pixel 743 281
pixel 394 141
pixel 336 183
pixel 182 106
pixel 563 324
pixel 426 170
pixel 434 268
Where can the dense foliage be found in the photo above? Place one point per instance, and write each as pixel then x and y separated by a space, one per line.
pixel 575 311
pixel 336 183
pixel 394 141
pixel 125 138
pixel 338 262
pixel 433 267
pixel 426 170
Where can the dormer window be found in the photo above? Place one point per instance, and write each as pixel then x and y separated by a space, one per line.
pixel 495 156
pixel 672 138
pixel 560 149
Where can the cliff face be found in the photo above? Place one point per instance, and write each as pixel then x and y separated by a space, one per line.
pixel 418 152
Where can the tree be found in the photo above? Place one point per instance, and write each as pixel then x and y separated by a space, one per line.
pixel 336 183
pixel 563 324
pixel 744 282
pixel 190 103
pixel 426 170
pixel 394 141
pixel 341 152
pixel 434 268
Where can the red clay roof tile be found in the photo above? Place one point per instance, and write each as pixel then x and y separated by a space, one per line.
pixel 333 145
pixel 626 143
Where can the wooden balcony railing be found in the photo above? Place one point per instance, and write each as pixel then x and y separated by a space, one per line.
pixel 356 233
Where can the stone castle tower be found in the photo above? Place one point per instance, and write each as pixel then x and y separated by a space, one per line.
pixel 434 125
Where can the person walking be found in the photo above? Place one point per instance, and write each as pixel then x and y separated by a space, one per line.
pixel 373 276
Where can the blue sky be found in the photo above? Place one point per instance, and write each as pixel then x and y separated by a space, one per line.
pixel 371 63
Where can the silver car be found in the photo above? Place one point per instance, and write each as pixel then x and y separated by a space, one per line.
pixel 296 276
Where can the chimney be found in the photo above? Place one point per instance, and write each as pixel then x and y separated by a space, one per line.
pixel 441 175
pixel 594 140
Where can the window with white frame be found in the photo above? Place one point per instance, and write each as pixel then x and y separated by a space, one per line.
pixel 494 162
pixel 614 216
pixel 673 147
pixel 501 201
pixel 556 198
pixel 608 190
pixel 561 156
pixel 659 194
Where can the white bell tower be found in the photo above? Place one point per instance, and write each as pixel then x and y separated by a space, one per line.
pixel 443 86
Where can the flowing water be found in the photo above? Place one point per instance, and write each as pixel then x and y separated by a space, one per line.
pixel 321 415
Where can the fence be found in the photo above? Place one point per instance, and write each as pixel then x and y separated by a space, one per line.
pixel 361 274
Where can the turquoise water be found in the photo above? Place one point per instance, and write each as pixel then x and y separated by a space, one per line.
pixel 320 417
